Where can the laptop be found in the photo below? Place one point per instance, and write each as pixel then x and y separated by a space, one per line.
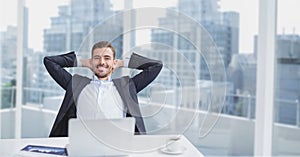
pixel 100 137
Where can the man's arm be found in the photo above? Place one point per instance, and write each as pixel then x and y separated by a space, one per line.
pixel 150 67
pixel 55 66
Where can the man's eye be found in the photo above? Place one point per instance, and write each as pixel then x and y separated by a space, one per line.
pixel 96 57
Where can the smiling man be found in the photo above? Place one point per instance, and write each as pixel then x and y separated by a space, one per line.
pixel 101 96
pixel 103 61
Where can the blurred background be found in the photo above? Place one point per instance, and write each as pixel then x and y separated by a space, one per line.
pixel 209 49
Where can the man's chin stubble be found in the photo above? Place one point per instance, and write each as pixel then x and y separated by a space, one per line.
pixel 101 76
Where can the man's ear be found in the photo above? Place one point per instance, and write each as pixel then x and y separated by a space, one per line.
pixel 115 64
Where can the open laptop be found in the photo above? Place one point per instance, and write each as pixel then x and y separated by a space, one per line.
pixel 100 137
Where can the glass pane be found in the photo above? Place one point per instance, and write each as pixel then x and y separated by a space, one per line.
pixel 41 95
pixel 233 26
pixel 190 81
pixel 286 137
pixel 8 28
pixel 62 26
pixel 8 52
pixel 209 64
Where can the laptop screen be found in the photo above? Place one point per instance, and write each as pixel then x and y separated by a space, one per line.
pixel 100 136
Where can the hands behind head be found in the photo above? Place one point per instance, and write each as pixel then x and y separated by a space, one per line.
pixel 86 63
pixel 118 64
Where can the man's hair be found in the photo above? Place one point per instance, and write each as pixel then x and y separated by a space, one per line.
pixel 104 44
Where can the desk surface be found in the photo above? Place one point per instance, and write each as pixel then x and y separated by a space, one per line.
pixel 9 147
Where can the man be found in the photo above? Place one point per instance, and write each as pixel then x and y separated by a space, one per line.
pixel 101 96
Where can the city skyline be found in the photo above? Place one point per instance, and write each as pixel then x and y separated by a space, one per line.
pixel 248 16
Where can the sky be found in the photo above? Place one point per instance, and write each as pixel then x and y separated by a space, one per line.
pixel 39 18
pixel 248 20
pixel 41 11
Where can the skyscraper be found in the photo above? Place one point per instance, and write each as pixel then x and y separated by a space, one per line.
pixel 287 87
pixel 74 23
pixel 8 54
pixel 8 48
pixel 223 28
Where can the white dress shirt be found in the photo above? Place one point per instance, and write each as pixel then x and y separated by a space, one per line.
pixel 100 99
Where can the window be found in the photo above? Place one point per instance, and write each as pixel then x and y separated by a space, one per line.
pixel 287 77
pixel 188 80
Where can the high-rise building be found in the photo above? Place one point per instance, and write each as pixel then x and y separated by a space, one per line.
pixel 242 73
pixel 8 41
pixel 287 87
pixel 222 27
pixel 201 10
pixel 8 64
pixel 70 29
pixel 287 46
pixel 8 48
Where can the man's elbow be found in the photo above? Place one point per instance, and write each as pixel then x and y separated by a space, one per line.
pixel 46 61
pixel 160 65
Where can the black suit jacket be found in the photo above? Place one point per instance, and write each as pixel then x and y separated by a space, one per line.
pixel 73 85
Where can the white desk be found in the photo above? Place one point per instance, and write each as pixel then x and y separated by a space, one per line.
pixel 8 147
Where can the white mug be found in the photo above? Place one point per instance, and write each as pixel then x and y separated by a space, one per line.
pixel 173 145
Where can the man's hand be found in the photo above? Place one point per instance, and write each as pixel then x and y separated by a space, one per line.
pixel 118 64
pixel 86 63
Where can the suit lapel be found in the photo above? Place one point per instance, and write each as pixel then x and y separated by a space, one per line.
pixel 127 91
pixel 72 93
pixel 128 96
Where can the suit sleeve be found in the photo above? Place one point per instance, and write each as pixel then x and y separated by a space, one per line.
pixel 150 70
pixel 55 66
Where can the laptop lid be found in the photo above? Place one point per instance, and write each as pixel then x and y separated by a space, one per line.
pixel 100 137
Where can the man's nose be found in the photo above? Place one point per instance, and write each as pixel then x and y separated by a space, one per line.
pixel 101 61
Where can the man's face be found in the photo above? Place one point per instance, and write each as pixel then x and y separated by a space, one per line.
pixel 103 63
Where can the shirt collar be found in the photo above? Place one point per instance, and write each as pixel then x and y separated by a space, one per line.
pixel 96 80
